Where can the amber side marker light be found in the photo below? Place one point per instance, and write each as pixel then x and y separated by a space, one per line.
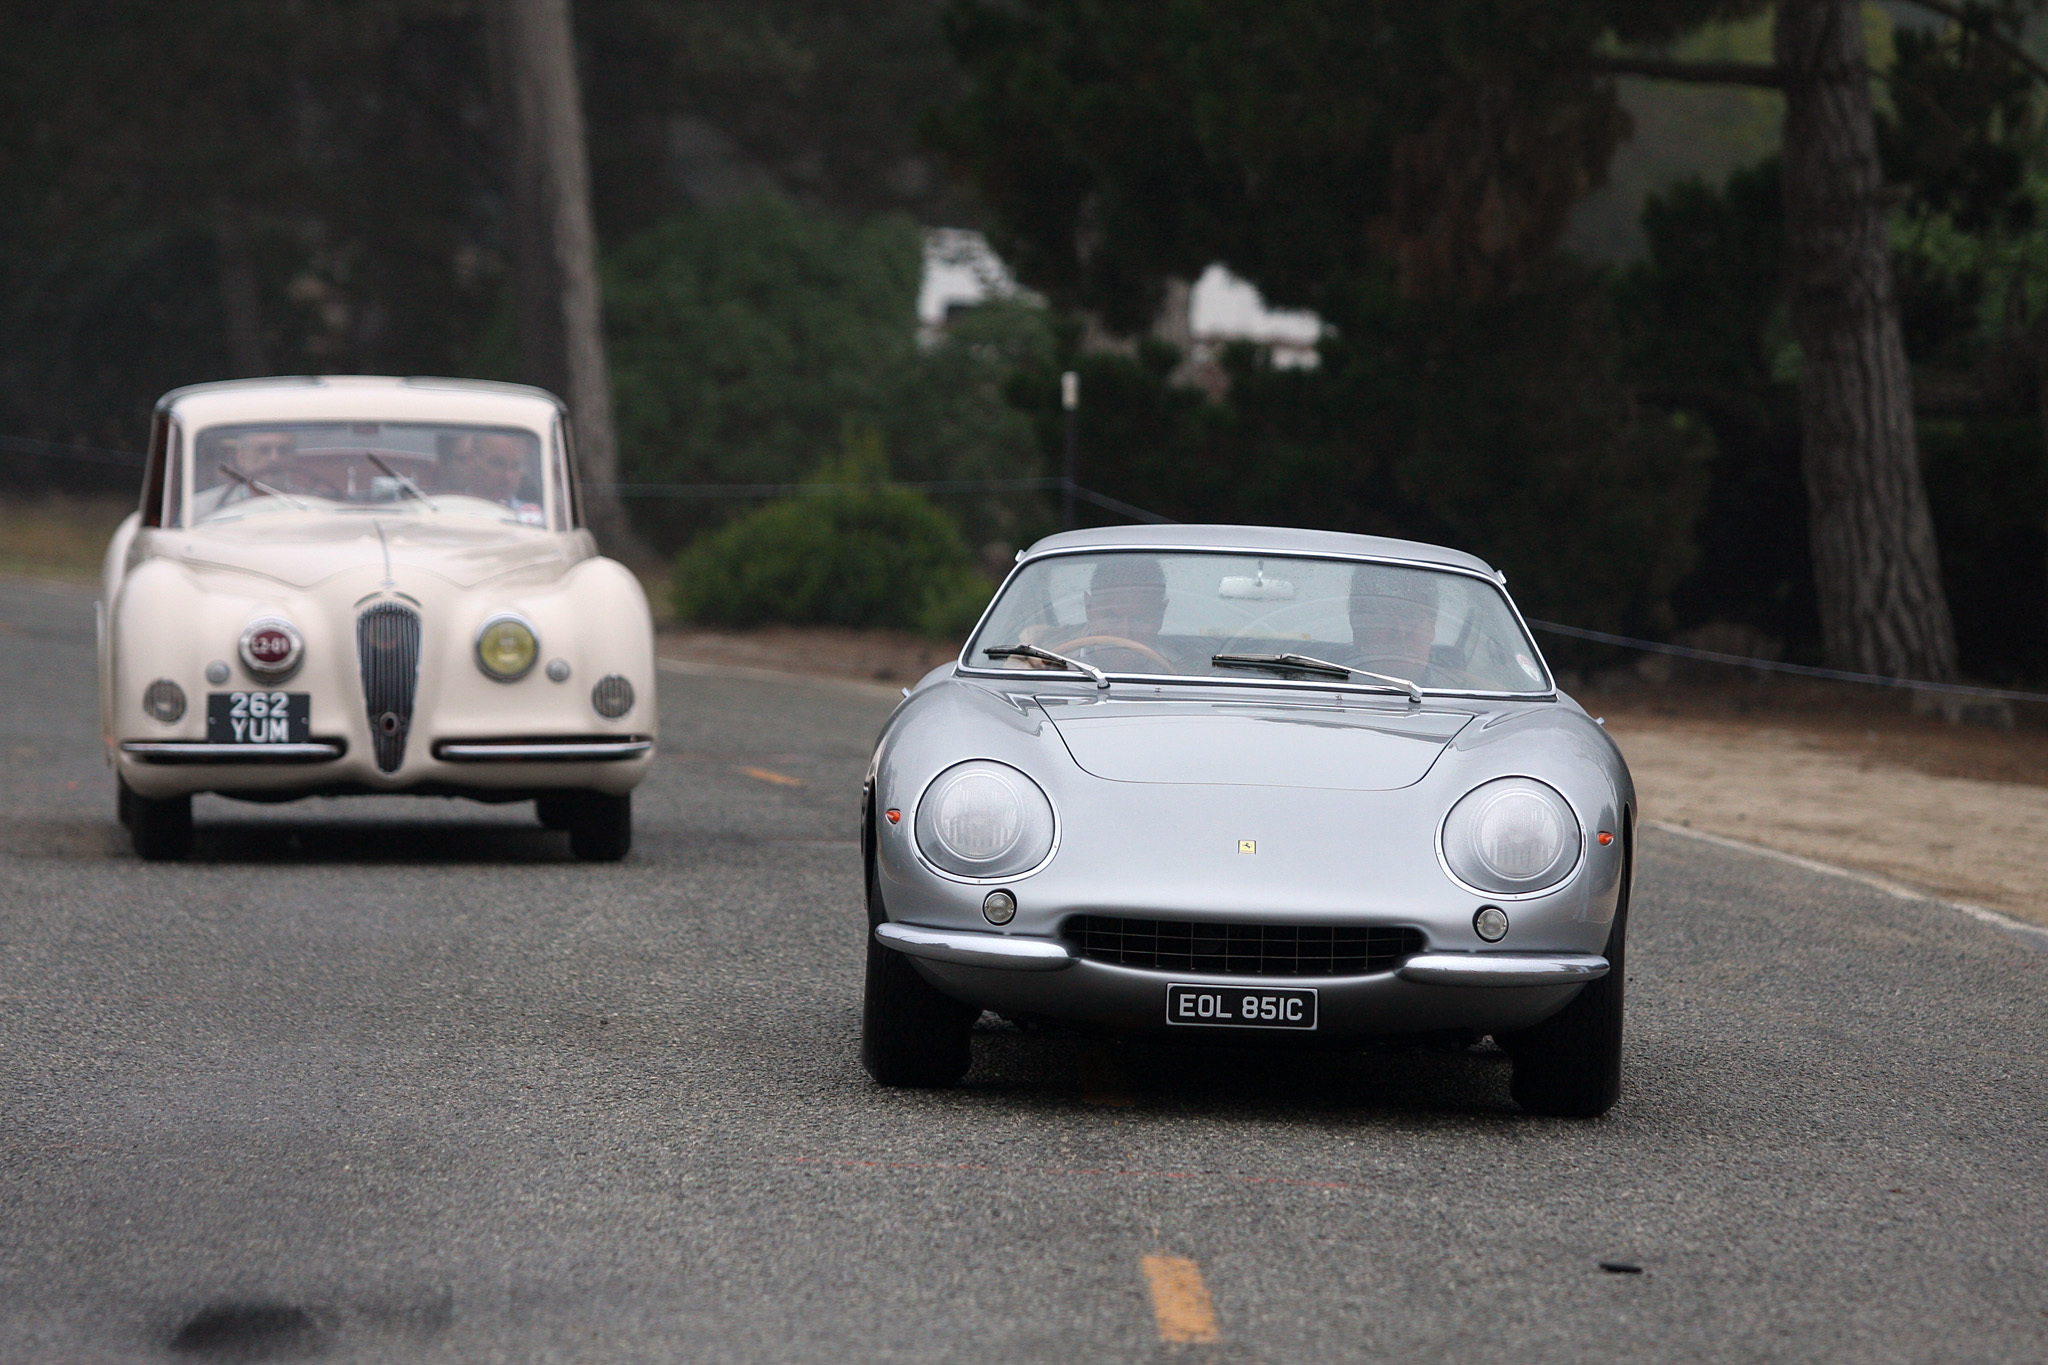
pixel 1606 837
pixel 895 816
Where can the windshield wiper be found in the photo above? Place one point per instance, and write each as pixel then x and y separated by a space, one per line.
pixel 239 477
pixel 1034 652
pixel 404 481
pixel 1302 663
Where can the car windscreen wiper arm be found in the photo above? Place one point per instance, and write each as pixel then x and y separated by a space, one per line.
pixel 404 481
pixel 260 486
pixel 1302 663
pixel 1034 652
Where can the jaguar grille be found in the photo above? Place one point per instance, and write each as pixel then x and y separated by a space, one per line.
pixel 388 643
pixel 1226 949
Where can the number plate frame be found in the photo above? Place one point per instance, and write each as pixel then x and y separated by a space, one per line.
pixel 1268 1007
pixel 257 712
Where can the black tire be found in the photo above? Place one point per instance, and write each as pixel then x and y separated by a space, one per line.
pixel 1569 1066
pixel 910 1033
pixel 556 810
pixel 161 830
pixel 124 803
pixel 601 826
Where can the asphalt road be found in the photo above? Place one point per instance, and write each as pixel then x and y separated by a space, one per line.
pixel 400 1081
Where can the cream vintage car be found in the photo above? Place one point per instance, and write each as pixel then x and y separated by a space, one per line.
pixel 352 585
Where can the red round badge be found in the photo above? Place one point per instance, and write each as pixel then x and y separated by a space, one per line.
pixel 270 646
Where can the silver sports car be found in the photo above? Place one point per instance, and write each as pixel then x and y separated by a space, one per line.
pixel 1236 784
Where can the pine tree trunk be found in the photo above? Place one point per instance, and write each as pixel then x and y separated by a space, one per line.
pixel 558 301
pixel 1882 607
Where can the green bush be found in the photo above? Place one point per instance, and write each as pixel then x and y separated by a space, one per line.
pixel 863 557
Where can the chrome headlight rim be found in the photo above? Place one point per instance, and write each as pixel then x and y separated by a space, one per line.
pixel 992 878
pixel 476 650
pixel 266 672
pixel 1504 891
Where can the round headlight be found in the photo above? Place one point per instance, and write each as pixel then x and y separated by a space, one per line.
pixel 506 648
pixel 984 819
pixel 1514 836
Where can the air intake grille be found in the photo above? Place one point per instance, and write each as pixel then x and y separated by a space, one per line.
pixel 388 642
pixel 612 697
pixel 1242 949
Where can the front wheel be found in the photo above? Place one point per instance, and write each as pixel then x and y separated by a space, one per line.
pixel 601 826
pixel 160 829
pixel 1569 1066
pixel 910 1033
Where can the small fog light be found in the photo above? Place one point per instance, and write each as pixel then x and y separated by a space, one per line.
pixel 1491 923
pixel 217 672
pixel 999 907
pixel 165 701
pixel 558 670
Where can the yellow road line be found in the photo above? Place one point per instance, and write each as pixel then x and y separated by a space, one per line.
pixel 765 775
pixel 1180 1301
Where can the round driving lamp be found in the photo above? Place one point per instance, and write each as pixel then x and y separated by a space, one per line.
pixel 271 649
pixel 506 648
pixel 982 819
pixel 1490 923
pixel 999 907
pixel 1513 836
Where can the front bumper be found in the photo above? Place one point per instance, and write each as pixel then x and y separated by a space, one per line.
pixel 1029 976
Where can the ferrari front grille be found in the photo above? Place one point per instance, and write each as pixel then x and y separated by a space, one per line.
pixel 1211 948
pixel 388 643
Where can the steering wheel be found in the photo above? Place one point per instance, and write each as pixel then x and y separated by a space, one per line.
pixel 1116 642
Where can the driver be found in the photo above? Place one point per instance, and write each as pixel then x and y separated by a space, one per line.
pixel 252 454
pixel 1125 605
pixel 1393 619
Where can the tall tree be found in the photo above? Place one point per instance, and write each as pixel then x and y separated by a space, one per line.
pixel 1876 573
pixel 1301 141
pixel 557 296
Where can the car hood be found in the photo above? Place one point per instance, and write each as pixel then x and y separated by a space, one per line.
pixel 306 550
pixel 1359 747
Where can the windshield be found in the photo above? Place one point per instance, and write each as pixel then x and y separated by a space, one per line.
pixel 1127 612
pixel 472 470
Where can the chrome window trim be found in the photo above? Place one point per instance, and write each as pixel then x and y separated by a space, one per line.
pixel 1491 580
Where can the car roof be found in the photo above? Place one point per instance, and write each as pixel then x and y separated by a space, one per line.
pixel 362 397
pixel 1273 539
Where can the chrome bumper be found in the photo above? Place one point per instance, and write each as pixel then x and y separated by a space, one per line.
pixel 197 751
pixel 1018 953
pixel 541 750
pixel 969 949
pixel 1503 969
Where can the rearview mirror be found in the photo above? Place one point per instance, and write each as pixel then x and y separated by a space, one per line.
pixel 1259 589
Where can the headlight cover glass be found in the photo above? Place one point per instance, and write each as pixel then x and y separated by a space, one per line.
pixel 506 648
pixel 1513 836
pixel 984 819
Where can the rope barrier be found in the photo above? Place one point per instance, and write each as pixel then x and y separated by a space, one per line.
pixel 1773 666
pixel 22 445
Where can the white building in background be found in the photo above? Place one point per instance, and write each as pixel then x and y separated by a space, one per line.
pixel 961 270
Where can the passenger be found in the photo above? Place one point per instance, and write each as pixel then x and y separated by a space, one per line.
pixel 492 465
pixel 1393 620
